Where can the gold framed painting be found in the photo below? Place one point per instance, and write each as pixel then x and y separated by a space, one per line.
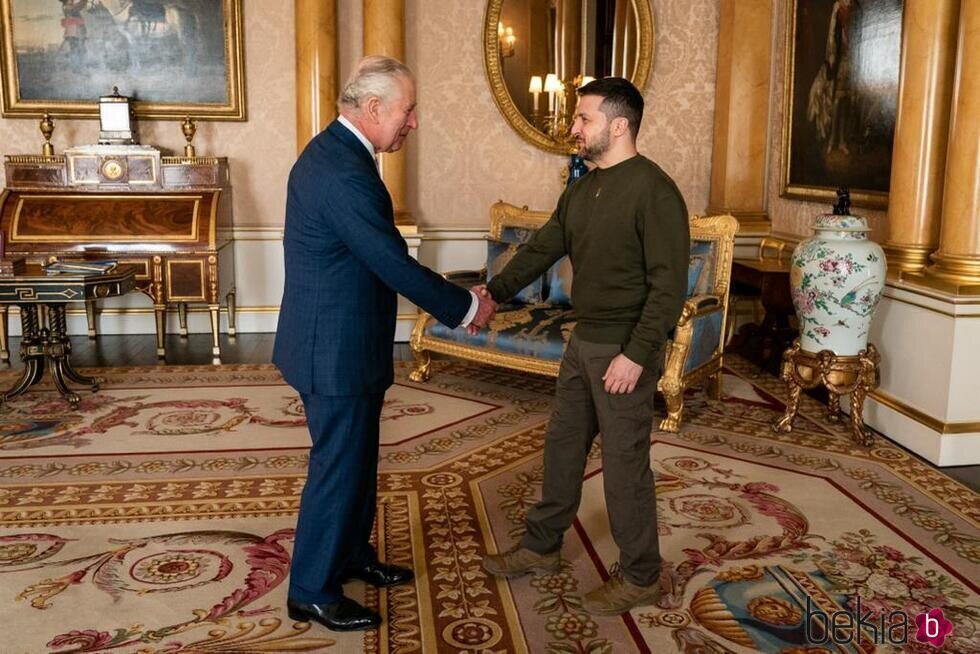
pixel 842 62
pixel 174 57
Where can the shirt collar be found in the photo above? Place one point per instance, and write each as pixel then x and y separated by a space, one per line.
pixel 360 137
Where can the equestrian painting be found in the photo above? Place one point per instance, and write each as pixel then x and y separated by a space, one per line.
pixel 59 55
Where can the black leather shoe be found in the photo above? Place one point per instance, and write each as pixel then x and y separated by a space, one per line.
pixel 343 615
pixel 383 575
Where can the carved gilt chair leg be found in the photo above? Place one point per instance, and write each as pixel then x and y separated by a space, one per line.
pixel 423 364
pixel 674 397
pixel 182 317
pixel 90 318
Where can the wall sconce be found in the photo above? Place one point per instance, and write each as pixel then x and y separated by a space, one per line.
pixel 505 35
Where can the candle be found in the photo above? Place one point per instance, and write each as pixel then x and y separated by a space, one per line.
pixel 552 86
pixel 535 90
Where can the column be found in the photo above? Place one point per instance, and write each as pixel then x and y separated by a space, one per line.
pixel 570 40
pixel 921 130
pixel 384 34
pixel 956 265
pixel 738 160
pixel 316 68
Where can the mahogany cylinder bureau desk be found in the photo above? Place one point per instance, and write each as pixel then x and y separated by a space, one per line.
pixel 170 217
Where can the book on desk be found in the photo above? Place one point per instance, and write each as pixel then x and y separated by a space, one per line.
pixel 87 267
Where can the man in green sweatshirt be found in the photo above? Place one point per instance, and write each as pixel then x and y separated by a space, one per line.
pixel 624 225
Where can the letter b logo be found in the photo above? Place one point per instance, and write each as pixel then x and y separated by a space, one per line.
pixel 932 627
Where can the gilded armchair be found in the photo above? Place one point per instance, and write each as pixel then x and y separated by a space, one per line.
pixel 530 335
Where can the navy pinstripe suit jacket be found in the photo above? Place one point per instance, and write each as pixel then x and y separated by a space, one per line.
pixel 345 262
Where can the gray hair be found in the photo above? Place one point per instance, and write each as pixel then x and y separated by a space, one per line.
pixel 376 76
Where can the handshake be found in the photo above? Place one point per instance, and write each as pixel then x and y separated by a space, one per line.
pixel 484 312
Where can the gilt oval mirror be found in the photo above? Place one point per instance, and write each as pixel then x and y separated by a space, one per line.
pixel 537 52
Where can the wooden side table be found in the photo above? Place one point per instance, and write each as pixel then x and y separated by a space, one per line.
pixel 43 301
pixel 765 343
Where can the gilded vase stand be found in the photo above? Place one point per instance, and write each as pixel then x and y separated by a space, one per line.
pixel 857 375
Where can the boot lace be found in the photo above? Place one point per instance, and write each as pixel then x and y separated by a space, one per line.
pixel 616 577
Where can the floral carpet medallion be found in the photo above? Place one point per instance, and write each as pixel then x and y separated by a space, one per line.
pixel 159 517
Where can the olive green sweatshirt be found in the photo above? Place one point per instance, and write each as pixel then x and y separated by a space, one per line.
pixel 625 229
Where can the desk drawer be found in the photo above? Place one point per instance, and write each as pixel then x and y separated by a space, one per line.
pixel 186 280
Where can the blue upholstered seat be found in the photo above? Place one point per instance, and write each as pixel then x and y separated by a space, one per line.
pixel 535 330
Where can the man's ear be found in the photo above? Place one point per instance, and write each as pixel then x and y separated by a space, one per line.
pixel 372 109
pixel 620 125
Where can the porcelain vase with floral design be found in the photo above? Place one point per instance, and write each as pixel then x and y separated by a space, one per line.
pixel 837 276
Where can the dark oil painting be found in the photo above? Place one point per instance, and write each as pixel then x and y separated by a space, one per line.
pixel 843 69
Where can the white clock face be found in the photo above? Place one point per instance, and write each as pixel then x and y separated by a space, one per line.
pixel 112 169
pixel 114 116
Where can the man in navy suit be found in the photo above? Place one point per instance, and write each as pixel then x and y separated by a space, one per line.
pixel 345 263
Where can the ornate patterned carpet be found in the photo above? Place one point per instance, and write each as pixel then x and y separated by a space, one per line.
pixel 158 518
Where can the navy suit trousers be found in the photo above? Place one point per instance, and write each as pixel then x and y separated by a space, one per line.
pixel 337 509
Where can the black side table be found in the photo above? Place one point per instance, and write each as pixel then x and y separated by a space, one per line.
pixel 45 341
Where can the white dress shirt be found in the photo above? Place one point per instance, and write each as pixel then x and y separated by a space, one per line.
pixel 475 301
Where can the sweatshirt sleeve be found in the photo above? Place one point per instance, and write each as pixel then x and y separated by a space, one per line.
pixel 532 259
pixel 665 233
